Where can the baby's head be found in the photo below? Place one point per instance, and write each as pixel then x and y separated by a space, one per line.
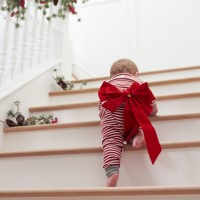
pixel 123 66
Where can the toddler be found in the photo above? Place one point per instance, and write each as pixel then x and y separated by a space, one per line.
pixel 125 104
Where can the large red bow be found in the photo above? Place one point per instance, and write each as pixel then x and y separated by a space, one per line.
pixel 137 99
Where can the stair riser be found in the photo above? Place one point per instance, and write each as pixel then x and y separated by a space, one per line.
pixel 85 170
pixel 176 130
pixel 73 98
pixel 165 107
pixel 157 90
pixel 171 75
pixel 150 78
pixel 179 106
pixel 180 88
pixel 55 139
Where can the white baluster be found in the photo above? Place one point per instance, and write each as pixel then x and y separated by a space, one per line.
pixel 33 39
pixel 1 3
pixel 4 52
pixel 24 48
pixel 41 40
pixel 49 35
pixel 14 54
pixel 66 51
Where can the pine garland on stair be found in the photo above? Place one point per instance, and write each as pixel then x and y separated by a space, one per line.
pixel 65 85
pixel 19 119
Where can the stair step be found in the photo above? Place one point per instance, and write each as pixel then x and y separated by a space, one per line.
pixel 178 104
pixel 95 103
pixel 60 169
pixel 153 83
pixel 105 192
pixel 169 87
pixel 88 134
pixel 167 74
pixel 94 123
pixel 167 145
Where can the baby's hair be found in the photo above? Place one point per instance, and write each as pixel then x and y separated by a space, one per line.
pixel 123 66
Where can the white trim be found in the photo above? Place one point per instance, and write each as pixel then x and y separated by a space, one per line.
pixel 26 78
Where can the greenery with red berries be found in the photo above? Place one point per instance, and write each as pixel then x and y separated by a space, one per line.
pixel 17 8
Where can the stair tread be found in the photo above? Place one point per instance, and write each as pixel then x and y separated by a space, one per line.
pixel 155 83
pixel 103 191
pixel 95 103
pixel 141 73
pixel 83 150
pixel 94 123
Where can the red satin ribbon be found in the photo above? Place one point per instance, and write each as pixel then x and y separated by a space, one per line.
pixel 137 99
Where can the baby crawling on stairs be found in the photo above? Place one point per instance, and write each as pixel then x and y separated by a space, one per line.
pixel 125 102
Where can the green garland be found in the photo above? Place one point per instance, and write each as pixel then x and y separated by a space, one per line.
pixel 15 118
pixel 17 8
pixel 65 85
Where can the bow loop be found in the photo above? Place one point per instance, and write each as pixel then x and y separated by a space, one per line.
pixel 143 96
pixel 113 97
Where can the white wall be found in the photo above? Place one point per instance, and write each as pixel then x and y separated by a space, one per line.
pixel 99 38
pixel 155 34
pixel 168 33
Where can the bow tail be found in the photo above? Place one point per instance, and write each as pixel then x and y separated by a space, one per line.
pixel 152 143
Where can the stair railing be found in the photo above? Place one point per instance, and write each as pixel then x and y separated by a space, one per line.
pixel 27 50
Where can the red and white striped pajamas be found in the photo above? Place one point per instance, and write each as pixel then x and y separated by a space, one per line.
pixel 112 123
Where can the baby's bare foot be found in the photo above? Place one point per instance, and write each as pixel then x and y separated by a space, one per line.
pixel 139 140
pixel 112 181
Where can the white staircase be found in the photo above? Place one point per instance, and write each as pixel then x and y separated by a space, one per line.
pixel 64 160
